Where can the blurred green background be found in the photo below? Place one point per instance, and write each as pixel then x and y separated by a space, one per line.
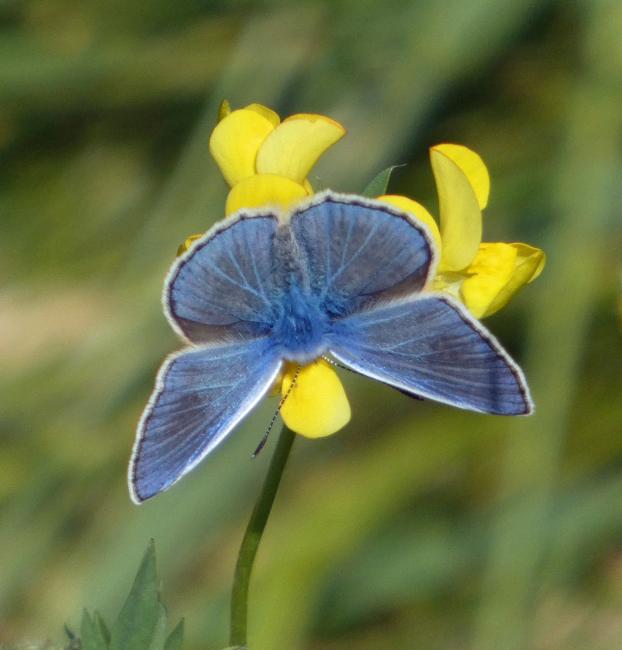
pixel 417 526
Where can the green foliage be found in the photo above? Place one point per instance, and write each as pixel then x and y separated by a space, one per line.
pixel 379 183
pixel 176 637
pixel 142 621
pixel 92 633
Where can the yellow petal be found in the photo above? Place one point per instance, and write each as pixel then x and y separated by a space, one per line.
pixel 472 167
pixel 266 112
pixel 296 144
pixel 187 243
pixel 491 270
pixel 264 189
pixel 527 252
pixel 497 273
pixel 317 405
pixel 235 141
pixel 417 210
pixel 529 264
pixel 461 218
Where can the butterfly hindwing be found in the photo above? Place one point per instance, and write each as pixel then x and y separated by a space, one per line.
pixel 224 285
pixel 201 394
pixel 431 347
pixel 358 251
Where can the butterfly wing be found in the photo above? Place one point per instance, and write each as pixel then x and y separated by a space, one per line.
pixel 357 251
pixel 200 395
pixel 431 347
pixel 223 287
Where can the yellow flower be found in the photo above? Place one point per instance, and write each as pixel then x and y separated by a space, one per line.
pixel 266 161
pixel 483 275
pixel 317 405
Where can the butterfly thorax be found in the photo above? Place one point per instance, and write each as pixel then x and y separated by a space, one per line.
pixel 301 327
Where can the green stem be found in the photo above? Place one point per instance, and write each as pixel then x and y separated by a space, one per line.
pixel 252 537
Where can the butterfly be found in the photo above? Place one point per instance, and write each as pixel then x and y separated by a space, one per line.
pixel 339 275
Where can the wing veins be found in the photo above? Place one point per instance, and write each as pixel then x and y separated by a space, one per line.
pixel 192 292
pixel 242 274
pixel 360 249
pixel 216 269
pixel 255 271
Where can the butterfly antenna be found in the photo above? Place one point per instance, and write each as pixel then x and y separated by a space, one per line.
pixel 264 439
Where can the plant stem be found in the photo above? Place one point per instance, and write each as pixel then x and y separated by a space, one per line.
pixel 252 537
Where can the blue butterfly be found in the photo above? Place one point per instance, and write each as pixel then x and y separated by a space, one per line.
pixel 341 275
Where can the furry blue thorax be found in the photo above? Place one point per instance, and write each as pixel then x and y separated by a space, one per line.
pixel 301 327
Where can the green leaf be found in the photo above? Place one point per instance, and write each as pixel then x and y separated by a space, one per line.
pixel 379 183
pixel 223 110
pixel 105 632
pixel 91 633
pixel 158 639
pixel 176 637
pixel 139 619
pixel 142 622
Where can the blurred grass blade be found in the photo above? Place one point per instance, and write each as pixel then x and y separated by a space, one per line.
pixel 559 331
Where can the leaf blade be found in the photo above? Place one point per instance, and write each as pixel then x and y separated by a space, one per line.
pixel 158 640
pixel 138 619
pixel 379 183
pixel 91 634
pixel 99 621
pixel 176 637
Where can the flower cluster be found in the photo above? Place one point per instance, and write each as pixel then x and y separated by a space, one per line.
pixel 483 275
pixel 267 161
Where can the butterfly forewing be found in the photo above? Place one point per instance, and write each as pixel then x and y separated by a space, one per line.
pixel 224 287
pixel 357 252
